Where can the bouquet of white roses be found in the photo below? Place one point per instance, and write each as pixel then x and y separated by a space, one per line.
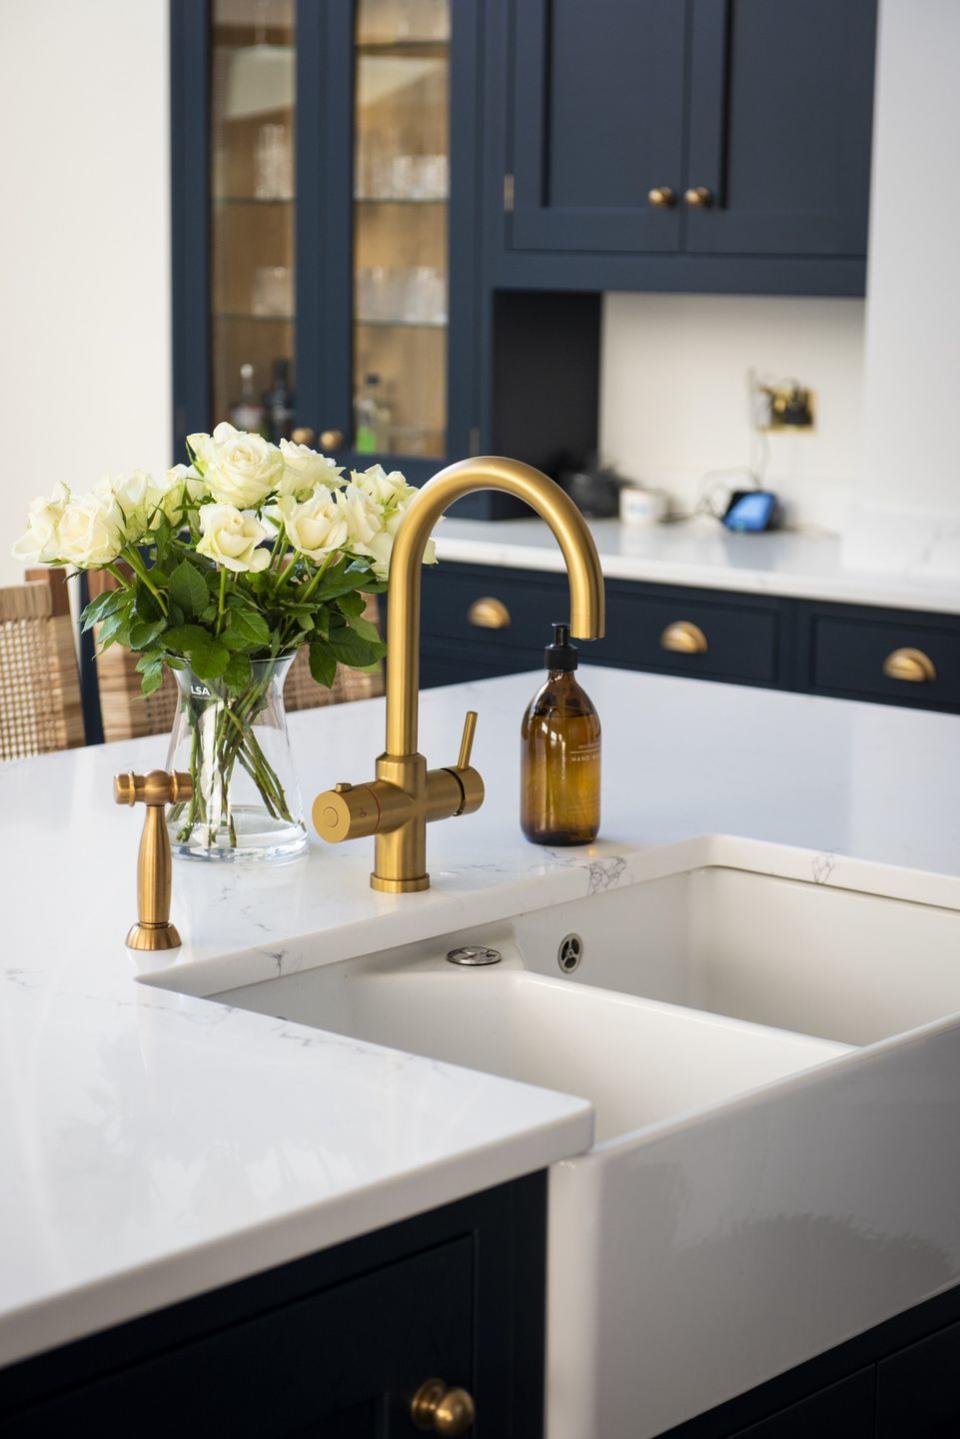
pixel 226 566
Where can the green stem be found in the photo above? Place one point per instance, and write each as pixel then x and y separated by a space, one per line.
pixel 137 565
pixel 220 599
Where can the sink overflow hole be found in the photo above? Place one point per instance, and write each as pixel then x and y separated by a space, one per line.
pixel 570 953
pixel 474 954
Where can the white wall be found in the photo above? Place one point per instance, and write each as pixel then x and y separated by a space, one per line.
pixel 910 493
pixel 674 393
pixel 84 246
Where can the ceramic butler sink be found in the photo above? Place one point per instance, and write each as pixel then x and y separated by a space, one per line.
pixel 775 1067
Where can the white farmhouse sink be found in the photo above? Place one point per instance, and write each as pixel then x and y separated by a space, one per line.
pixel 775 1067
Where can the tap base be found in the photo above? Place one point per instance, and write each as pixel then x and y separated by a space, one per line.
pixel 399 886
pixel 153 937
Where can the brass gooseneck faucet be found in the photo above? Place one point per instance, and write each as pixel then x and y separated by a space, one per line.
pixel 405 796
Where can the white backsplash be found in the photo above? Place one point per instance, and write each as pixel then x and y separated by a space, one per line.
pixel 674 397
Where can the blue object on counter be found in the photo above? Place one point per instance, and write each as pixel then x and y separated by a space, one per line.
pixel 751 511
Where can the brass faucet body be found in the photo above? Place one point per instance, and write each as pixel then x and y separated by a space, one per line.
pixel 153 929
pixel 405 796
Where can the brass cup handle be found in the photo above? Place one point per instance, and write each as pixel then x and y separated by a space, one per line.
pixel 304 435
pixel 662 197
pixel 698 197
pixel 683 637
pixel 911 665
pixel 489 613
pixel 331 439
pixel 435 1409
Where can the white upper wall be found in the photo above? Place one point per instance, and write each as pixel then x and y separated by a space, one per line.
pixel 84 246
pixel 912 452
pixel 674 400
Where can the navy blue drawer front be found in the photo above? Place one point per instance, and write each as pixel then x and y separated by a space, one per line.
pixel 739 641
pixel 501 613
pixel 850 653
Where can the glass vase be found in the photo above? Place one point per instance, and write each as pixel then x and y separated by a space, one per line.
pixel 246 800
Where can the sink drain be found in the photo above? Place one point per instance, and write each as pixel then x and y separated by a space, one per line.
pixel 570 953
pixel 474 954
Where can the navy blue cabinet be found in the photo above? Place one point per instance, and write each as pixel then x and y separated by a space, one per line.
pixel 333 1345
pixel 717 145
pixel 325 198
pixel 848 651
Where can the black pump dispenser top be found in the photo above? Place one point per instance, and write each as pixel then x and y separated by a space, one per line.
pixel 561 655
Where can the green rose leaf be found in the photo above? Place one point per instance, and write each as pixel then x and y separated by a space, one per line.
pixel 323 666
pixel 364 628
pixel 113 627
pixel 209 660
pixel 183 638
pixel 144 632
pixel 246 630
pixel 104 605
pixel 238 673
pixel 352 649
pixel 352 604
pixel 152 679
pixel 188 590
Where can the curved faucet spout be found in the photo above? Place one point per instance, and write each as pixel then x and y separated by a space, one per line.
pixel 488 472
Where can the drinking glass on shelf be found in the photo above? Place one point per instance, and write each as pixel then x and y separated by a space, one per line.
pixel 272 290
pixel 273 163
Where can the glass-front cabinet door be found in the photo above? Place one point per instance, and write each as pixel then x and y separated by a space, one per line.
pixel 401 189
pixel 324 194
pixel 252 199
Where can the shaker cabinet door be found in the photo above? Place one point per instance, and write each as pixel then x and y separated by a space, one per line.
pixel 344 1362
pixel 597 123
pixel 780 116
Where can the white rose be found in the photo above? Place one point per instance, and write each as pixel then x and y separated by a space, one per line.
pixel 137 496
pixel 304 469
pixel 241 469
pixel 381 546
pixel 38 545
pixel 363 519
pixel 182 487
pixel 231 538
pixel 201 447
pixel 91 530
pixel 315 528
pixel 388 491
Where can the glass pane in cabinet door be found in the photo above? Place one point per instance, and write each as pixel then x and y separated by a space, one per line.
pixel 401 186
pixel 252 188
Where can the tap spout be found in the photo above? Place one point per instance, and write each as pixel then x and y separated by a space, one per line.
pixel 488 472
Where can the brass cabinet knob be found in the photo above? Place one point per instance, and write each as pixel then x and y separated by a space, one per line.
pixel 683 637
pixel 489 613
pixel 661 197
pixel 331 439
pixel 698 197
pixel 911 665
pixel 303 435
pixel 435 1409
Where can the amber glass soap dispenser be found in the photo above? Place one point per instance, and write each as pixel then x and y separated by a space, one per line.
pixel 560 767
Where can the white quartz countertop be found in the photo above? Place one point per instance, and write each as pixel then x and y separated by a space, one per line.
pixel 703 554
pixel 156 1145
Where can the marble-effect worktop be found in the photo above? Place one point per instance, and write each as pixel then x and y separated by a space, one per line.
pixel 157 1144
pixel 701 553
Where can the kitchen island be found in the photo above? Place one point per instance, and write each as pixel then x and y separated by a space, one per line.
pixel 159 1146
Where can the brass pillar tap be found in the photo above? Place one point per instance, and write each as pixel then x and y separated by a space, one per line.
pixel 154 870
pixel 397 806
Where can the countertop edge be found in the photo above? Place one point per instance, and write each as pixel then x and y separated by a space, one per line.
pixel 77 1314
pixel 851 587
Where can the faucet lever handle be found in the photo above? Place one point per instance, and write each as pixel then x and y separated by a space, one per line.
pixel 466 740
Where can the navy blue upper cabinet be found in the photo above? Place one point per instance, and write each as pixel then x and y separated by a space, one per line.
pixel 780 115
pixel 682 144
pixel 598 123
